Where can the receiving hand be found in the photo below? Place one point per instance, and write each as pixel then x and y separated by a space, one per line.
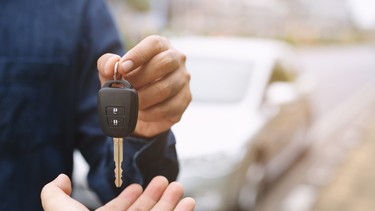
pixel 158 196
pixel 158 73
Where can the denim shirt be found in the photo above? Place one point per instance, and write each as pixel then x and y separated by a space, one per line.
pixel 48 102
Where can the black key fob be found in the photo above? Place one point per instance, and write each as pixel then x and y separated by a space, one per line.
pixel 118 108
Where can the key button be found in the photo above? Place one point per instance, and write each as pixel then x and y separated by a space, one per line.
pixel 115 122
pixel 115 111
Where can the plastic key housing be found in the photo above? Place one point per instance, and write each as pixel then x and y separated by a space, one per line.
pixel 118 108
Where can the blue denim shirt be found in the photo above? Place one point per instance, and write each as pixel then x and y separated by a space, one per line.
pixel 48 96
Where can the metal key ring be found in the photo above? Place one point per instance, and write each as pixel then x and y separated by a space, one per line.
pixel 115 72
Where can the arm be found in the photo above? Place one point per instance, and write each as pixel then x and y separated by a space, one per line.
pixel 140 154
pixel 158 73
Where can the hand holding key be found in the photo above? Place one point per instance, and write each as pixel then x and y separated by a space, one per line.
pixel 158 73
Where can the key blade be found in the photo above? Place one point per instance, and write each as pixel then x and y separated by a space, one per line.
pixel 118 157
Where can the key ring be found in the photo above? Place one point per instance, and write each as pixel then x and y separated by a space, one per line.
pixel 115 72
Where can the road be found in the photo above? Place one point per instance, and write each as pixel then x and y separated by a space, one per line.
pixel 343 102
pixel 340 72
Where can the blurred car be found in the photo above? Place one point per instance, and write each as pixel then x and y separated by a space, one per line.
pixel 248 120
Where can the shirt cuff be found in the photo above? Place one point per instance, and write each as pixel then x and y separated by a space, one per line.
pixel 156 156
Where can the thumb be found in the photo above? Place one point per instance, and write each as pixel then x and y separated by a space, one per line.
pixel 56 195
pixel 63 183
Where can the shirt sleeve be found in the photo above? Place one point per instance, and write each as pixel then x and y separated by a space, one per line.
pixel 143 158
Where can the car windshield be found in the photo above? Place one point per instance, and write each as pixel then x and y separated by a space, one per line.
pixel 218 80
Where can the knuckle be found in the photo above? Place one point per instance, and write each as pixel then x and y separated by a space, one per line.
pixel 187 76
pixel 189 97
pixel 183 57
pixel 169 61
pixel 159 42
pixel 175 118
pixel 164 89
pixel 180 55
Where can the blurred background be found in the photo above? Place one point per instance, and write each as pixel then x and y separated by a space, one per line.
pixel 295 21
pixel 284 91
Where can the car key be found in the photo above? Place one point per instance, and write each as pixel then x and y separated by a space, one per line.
pixel 118 112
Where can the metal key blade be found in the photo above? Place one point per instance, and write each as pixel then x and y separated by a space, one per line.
pixel 118 157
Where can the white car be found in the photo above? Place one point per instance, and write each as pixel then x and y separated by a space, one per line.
pixel 247 122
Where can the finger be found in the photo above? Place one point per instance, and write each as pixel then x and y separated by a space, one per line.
pixel 159 66
pixel 105 65
pixel 61 183
pixel 186 204
pixel 151 195
pixel 170 110
pixel 170 198
pixel 124 200
pixel 162 89
pixel 56 195
pixel 142 53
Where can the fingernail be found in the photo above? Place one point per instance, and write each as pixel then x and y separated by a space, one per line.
pixel 127 65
